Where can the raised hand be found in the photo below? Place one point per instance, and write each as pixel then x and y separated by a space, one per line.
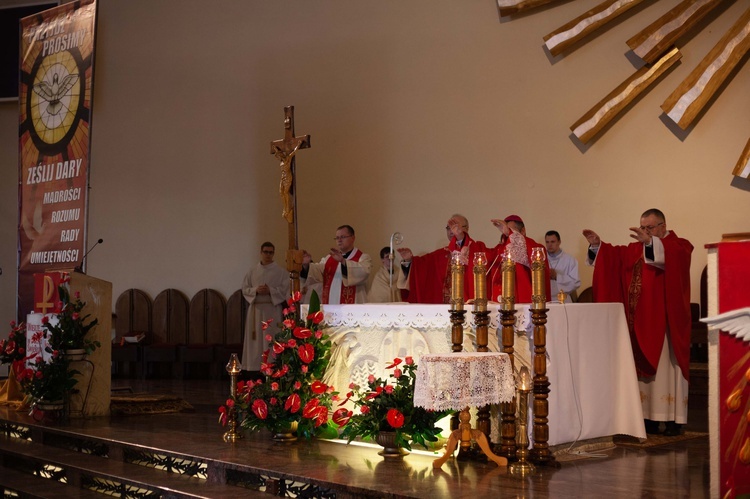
pixel 592 237
pixel 405 253
pixel 640 235
pixel 456 229
pixel 502 225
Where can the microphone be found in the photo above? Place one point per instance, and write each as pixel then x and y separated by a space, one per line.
pixel 79 268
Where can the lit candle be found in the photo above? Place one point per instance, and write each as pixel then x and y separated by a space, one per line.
pixel 480 282
pixel 538 296
pixel 509 282
pixel 457 283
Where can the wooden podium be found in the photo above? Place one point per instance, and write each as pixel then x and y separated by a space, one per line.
pixel 94 383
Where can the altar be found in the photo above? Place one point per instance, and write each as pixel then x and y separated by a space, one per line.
pixel 593 383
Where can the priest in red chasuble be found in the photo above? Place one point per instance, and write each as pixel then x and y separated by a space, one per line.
pixel 514 240
pixel 344 271
pixel 651 278
pixel 427 277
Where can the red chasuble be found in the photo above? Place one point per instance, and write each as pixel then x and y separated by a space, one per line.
pixel 523 273
pixel 430 277
pixel 656 301
pixel 348 293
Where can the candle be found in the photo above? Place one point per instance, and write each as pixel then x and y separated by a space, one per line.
pixel 457 283
pixel 509 282
pixel 538 296
pixel 480 282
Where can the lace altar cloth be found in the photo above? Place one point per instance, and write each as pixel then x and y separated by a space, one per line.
pixel 453 381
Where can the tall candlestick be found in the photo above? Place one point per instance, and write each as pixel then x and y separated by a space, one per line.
pixel 538 284
pixel 509 282
pixel 480 282
pixel 457 283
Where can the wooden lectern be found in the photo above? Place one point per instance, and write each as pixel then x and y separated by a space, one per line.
pixel 94 382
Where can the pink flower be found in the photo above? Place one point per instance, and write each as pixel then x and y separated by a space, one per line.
pixel 297 385
pixel 364 409
pixel 274 386
pixel 269 338
pixel 318 334
pixel 273 400
pixel 292 343
pixel 77 294
pixel 388 389
pixel 371 379
pixel 397 373
pixel 75 316
pixel 304 369
pixel 409 360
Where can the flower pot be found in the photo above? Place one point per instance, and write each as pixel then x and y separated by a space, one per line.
pixel 387 440
pixel 287 434
pixel 74 354
pixel 47 406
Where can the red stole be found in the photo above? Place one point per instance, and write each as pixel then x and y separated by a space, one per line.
pixel 348 293
pixel 523 273
pixel 655 300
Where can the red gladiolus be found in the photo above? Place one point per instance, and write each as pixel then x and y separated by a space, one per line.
pixel 395 418
pixel 316 318
pixel 396 362
pixel 306 353
pixel 341 416
pixel 302 333
pixel 260 409
pixel 292 403
pixel 318 387
pixel 310 409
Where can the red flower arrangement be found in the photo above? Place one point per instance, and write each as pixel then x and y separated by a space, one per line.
pixel 389 407
pixel 13 349
pixel 293 367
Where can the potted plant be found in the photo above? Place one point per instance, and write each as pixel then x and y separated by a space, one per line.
pixel 388 406
pixel 69 327
pixel 291 397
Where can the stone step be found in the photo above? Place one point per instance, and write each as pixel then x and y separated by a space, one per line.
pixel 110 475
pixel 26 485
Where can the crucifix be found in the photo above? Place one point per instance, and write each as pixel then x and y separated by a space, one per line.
pixel 285 150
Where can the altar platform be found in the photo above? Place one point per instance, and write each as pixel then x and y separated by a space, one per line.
pixel 183 455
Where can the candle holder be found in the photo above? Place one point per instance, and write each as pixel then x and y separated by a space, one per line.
pixel 233 368
pixel 538 278
pixel 481 323
pixel 523 468
pixel 457 312
pixel 507 446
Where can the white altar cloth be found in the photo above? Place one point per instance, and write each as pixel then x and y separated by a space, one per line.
pixel 593 384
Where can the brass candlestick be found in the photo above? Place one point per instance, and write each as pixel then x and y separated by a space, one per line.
pixel 233 368
pixel 522 468
pixel 538 280
pixel 507 446
pixel 457 311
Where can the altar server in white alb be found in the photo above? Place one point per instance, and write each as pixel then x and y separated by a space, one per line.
pixel 266 288
pixel 344 272
pixel 563 269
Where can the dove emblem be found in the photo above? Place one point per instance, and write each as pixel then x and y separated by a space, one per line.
pixel 54 92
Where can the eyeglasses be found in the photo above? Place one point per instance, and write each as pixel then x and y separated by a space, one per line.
pixel 448 227
pixel 340 238
pixel 651 227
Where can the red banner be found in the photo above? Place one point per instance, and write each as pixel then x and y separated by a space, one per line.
pixel 55 95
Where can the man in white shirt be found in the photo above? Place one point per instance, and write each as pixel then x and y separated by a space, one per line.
pixel 563 269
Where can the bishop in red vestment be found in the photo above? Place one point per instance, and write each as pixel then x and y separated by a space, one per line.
pixel 651 278
pixel 514 240
pixel 428 278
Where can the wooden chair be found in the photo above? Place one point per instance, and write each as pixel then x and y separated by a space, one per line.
pixel 132 316
pixel 169 331
pixel 205 332
pixel 235 330
pixel 586 296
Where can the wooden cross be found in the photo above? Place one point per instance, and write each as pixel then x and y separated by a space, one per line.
pixel 285 150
